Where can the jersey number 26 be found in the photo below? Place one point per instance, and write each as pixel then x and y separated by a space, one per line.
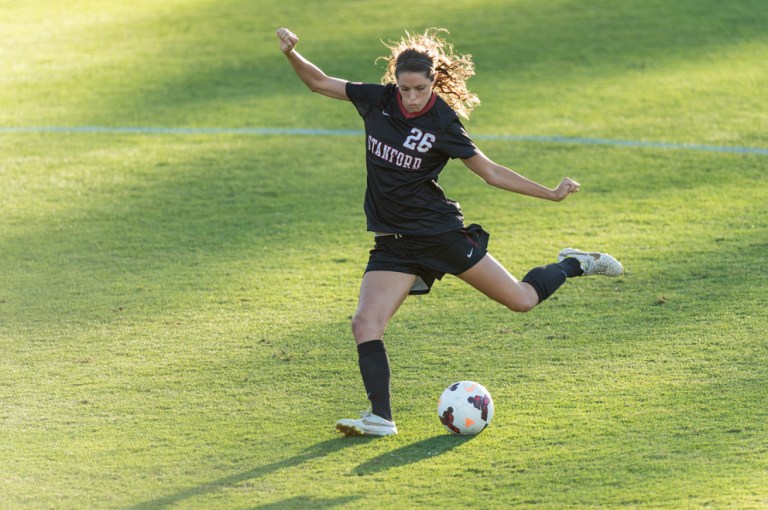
pixel 422 142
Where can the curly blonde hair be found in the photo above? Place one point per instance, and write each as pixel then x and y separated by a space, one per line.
pixel 431 54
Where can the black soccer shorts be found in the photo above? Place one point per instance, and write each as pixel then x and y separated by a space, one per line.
pixel 429 257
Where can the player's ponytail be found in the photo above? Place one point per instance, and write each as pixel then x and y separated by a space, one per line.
pixel 432 55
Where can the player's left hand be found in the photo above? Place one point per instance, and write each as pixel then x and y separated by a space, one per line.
pixel 565 188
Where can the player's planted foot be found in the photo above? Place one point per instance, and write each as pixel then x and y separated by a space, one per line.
pixel 593 262
pixel 368 425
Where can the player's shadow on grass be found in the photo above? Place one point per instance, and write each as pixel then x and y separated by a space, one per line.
pixel 306 502
pixel 313 452
pixel 412 453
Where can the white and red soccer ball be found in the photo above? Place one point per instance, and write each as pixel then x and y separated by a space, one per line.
pixel 465 408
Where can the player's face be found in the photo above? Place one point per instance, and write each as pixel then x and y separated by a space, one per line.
pixel 415 90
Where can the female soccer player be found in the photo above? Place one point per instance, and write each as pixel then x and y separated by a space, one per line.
pixel 412 129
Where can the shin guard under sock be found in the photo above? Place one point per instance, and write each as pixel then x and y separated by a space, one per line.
pixel 374 367
pixel 545 280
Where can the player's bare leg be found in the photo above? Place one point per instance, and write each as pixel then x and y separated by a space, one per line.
pixel 381 294
pixel 492 279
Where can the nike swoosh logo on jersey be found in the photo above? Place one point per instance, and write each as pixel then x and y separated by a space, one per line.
pixel 385 113
pixel 470 253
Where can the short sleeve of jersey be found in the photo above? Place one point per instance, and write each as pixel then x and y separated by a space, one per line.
pixel 456 142
pixel 363 95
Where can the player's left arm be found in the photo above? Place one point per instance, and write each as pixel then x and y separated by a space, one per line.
pixel 503 178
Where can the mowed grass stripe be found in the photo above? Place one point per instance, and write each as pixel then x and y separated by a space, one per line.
pixel 148 130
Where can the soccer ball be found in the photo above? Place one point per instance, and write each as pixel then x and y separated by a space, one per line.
pixel 465 408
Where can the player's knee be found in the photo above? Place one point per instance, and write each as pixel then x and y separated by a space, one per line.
pixel 522 305
pixel 520 308
pixel 357 323
pixel 366 327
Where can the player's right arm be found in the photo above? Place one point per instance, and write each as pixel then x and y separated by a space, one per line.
pixel 312 76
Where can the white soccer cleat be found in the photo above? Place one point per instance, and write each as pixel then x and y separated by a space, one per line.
pixel 368 425
pixel 593 262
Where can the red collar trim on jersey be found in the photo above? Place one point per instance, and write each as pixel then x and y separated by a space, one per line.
pixel 424 110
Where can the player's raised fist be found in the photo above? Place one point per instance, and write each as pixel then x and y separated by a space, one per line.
pixel 288 40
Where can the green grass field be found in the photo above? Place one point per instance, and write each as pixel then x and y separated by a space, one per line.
pixel 175 307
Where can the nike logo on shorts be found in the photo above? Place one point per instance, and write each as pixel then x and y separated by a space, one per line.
pixel 470 253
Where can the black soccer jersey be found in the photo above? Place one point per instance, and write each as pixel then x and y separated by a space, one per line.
pixel 405 153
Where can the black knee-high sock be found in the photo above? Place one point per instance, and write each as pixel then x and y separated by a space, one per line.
pixel 547 279
pixel 374 367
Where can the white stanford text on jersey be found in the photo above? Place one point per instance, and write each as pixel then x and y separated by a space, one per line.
pixel 392 155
